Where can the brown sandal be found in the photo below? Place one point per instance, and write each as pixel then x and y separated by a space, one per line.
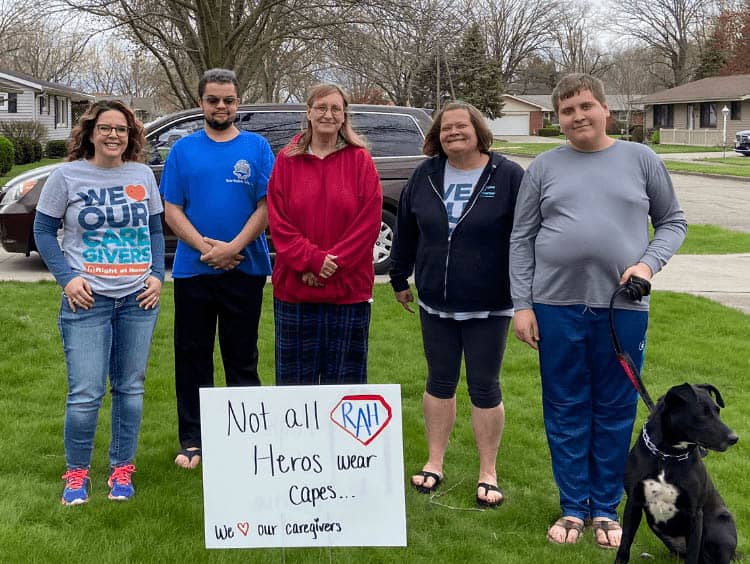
pixel 568 525
pixel 605 525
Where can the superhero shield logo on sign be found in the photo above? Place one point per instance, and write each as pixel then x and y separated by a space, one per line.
pixel 362 416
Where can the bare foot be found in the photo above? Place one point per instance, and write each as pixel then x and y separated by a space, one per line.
pixel 487 495
pixel 188 458
pixel 425 482
pixel 566 530
pixel 608 532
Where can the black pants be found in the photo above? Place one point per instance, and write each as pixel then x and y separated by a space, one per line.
pixel 480 341
pixel 234 299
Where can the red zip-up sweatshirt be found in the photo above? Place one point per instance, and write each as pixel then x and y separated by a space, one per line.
pixel 324 206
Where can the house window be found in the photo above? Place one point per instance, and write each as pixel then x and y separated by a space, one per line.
pixel 9 102
pixel 663 115
pixel 41 105
pixel 61 111
pixel 735 110
pixel 708 115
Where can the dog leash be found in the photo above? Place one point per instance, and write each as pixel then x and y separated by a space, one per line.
pixel 635 289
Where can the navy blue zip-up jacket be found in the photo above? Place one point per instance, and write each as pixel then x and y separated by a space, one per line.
pixel 468 270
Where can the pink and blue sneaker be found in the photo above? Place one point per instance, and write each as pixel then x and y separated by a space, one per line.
pixel 121 483
pixel 76 489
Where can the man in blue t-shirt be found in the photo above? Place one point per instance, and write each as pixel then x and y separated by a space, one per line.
pixel 214 187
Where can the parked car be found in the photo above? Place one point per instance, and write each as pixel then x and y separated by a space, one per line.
pixel 395 135
pixel 742 143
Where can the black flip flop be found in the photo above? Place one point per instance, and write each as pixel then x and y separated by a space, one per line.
pixel 190 453
pixel 437 478
pixel 487 489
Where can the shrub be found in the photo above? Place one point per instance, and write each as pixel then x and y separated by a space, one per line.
pixel 7 155
pixel 56 149
pixel 37 151
pixel 27 150
pixel 636 133
pixel 28 129
pixel 655 137
pixel 549 132
pixel 615 127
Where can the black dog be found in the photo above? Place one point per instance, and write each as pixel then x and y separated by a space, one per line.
pixel 665 477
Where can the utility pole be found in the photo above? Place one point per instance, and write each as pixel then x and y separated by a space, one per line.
pixel 437 86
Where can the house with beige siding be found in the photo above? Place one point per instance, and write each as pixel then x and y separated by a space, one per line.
pixel 694 113
pixel 24 98
pixel 524 114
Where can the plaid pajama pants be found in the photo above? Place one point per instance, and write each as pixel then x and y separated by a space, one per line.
pixel 321 343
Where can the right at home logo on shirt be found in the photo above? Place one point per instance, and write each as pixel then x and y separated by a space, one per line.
pixel 115 231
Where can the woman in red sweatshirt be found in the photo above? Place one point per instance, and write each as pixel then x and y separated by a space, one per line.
pixel 324 212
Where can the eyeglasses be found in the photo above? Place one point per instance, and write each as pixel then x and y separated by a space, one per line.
pixel 120 130
pixel 323 110
pixel 214 100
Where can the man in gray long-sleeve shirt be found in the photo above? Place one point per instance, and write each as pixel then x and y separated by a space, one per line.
pixel 581 228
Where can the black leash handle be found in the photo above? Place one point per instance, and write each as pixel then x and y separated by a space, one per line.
pixel 635 288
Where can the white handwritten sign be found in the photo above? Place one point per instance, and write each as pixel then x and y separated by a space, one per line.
pixel 303 466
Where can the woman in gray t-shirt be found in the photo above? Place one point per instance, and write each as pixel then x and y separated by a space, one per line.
pixel 111 268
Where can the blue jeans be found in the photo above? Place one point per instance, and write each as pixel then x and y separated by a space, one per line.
pixel 589 403
pixel 111 338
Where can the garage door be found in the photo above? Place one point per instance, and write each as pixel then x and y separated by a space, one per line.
pixel 510 125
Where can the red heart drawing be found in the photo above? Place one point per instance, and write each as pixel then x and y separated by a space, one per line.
pixel 136 192
pixel 244 527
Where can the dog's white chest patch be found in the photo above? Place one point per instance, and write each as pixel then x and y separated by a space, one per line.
pixel 661 498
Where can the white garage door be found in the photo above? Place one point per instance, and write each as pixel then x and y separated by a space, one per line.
pixel 510 125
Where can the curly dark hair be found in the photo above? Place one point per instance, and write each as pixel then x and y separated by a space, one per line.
pixel 80 145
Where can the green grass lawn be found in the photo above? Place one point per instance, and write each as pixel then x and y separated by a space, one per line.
pixel 19 169
pixel 661 149
pixel 690 339
pixel 730 166
pixel 713 240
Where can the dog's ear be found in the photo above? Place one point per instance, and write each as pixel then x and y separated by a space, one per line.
pixel 711 389
pixel 677 395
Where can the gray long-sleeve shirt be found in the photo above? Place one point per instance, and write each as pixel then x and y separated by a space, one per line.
pixel 581 219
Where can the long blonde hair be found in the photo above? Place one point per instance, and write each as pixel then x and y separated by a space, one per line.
pixel 346 132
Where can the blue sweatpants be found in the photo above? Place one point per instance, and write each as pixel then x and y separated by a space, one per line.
pixel 589 403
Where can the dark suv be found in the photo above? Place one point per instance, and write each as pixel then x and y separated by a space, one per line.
pixel 395 135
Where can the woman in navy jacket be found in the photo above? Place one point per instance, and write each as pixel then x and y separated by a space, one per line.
pixel 454 222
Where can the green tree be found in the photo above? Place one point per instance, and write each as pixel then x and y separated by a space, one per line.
pixel 478 79
pixel 713 59
pixel 433 76
pixel 536 76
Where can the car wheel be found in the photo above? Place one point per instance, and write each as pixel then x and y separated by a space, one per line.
pixel 381 252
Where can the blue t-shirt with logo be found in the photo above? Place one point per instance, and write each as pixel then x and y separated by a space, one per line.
pixel 218 185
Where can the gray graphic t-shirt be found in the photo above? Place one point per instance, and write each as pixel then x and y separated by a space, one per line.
pixel 105 212
pixel 459 185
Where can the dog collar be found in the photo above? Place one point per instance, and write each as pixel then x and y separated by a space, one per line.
pixel 663 455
